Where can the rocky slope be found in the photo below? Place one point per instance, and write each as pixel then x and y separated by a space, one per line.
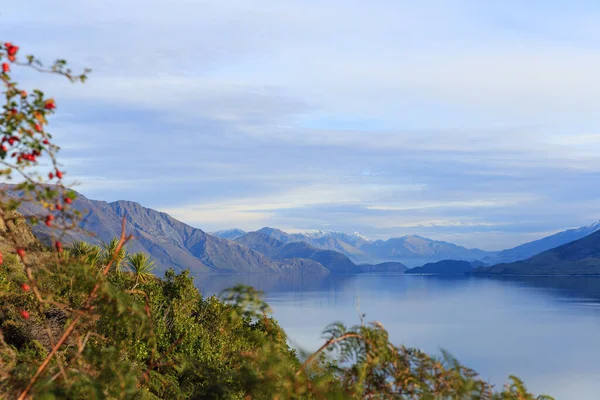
pixel 171 243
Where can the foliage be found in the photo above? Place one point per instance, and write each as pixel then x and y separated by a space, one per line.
pixel 141 265
pixel 74 324
pixel 111 253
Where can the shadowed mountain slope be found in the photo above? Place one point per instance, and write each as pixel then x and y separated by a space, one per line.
pixel 578 257
pixel 276 249
pixel 445 267
pixel 530 249
pixel 171 243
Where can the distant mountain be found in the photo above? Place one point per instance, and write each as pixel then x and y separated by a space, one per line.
pixel 410 250
pixel 415 250
pixel 262 243
pixel 445 267
pixel 174 244
pixel 479 264
pixel 282 236
pixel 347 244
pixel 171 243
pixel 577 257
pixel 384 267
pixel 530 249
pixel 332 260
pixel 279 250
pixel 229 234
pixel 355 238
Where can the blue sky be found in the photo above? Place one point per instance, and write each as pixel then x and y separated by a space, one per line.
pixel 467 121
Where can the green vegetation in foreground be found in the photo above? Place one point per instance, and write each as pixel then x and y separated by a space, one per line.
pixel 95 323
pixel 149 338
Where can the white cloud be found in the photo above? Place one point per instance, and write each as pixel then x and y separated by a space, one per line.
pixel 388 222
pixel 260 208
pixel 474 115
pixel 474 203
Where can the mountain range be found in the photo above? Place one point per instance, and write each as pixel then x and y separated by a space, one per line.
pixel 278 250
pixel 410 250
pixel 173 243
pixel 414 250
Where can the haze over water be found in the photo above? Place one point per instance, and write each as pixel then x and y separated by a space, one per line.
pixel 541 329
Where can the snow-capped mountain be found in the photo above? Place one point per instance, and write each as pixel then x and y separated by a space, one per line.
pixel 348 244
pixel 230 234
pixel 353 237
pixel 414 250
pixel 409 250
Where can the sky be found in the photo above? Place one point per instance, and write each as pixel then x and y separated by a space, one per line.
pixel 472 122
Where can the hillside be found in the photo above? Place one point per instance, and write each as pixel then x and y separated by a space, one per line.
pixel 578 257
pixel 530 249
pixel 18 230
pixel 262 243
pixel 171 243
pixel 276 249
pixel 389 266
pixel 445 267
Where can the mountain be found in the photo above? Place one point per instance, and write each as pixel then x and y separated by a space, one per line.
pixel 410 250
pixel 530 249
pixel 384 267
pixel 414 250
pixel 354 239
pixel 347 244
pixel 279 250
pixel 577 257
pixel 445 267
pixel 229 234
pixel 171 243
pixel 282 236
pixel 262 243
pixel 332 260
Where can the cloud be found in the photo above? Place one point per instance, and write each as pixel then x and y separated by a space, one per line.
pixel 453 119
pixel 263 208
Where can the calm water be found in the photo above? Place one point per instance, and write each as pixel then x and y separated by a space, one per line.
pixel 545 330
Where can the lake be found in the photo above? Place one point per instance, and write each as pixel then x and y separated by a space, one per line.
pixel 545 330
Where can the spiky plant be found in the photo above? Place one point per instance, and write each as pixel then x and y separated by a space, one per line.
pixel 141 266
pixel 111 255
pixel 81 249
